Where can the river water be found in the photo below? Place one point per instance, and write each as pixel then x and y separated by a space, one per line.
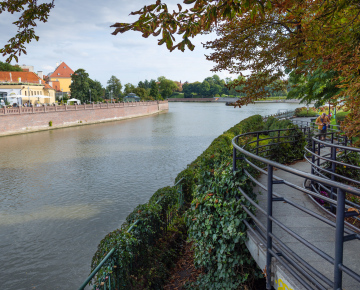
pixel 63 190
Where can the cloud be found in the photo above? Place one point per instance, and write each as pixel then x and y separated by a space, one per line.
pixel 78 33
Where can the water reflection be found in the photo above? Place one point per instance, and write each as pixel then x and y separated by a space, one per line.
pixel 72 212
pixel 63 190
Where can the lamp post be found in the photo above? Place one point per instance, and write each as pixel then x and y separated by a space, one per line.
pixel 110 96
pixel 90 95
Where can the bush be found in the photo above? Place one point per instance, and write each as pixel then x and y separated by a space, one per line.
pixel 340 117
pixel 304 112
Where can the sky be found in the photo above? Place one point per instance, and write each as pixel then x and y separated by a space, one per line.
pixel 79 33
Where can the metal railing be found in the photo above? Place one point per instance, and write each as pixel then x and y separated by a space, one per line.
pixel 111 277
pixel 61 108
pixel 307 275
pixel 325 157
pixel 281 115
pixel 310 130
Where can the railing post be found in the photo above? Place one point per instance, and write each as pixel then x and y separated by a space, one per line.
pixel 339 238
pixel 318 160
pixel 345 141
pixel 278 137
pixel 333 168
pixel 312 158
pixel 234 159
pixel 269 226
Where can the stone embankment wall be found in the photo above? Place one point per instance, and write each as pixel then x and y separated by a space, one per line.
pixel 23 120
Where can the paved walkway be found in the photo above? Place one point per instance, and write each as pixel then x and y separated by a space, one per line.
pixel 315 231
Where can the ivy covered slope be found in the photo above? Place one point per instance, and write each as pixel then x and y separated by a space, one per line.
pixel 214 219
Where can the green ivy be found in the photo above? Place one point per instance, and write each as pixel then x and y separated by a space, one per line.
pixel 214 219
pixel 216 227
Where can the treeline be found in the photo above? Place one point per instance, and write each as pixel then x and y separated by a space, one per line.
pixel 160 89
pixel 216 87
pixel 85 89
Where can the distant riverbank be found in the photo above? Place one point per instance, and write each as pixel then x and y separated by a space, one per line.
pixel 230 100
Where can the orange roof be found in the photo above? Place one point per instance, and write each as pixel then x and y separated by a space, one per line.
pixel 62 71
pixel 55 85
pixel 23 77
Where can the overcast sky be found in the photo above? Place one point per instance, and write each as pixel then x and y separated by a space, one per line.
pixel 79 33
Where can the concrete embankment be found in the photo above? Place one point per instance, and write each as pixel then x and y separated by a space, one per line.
pixel 25 120
pixel 192 99
pixel 229 100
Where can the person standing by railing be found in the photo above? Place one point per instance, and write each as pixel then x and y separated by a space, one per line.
pixel 322 121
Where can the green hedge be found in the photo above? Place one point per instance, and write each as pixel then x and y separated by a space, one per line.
pixel 340 117
pixel 214 219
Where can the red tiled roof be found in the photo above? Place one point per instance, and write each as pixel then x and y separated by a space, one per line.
pixel 26 77
pixel 62 71
pixel 55 85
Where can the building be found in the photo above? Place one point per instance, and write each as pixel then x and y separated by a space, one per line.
pixel 62 75
pixel 131 97
pixel 25 85
pixel 27 68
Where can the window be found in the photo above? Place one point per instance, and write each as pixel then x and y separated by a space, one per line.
pixel 58 74
pixel 64 66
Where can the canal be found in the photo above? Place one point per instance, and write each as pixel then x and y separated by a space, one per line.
pixel 63 190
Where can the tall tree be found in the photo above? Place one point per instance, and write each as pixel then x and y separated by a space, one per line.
pixel 129 88
pixel 265 37
pixel 8 67
pixel 154 90
pixel 96 90
pixel 205 88
pixel 114 86
pixel 166 87
pixel 80 85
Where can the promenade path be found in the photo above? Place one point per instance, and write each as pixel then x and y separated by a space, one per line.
pixel 315 231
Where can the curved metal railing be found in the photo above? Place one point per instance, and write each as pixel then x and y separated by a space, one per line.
pixel 306 274
pixel 326 158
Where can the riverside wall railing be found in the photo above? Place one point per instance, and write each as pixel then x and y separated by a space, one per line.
pixel 63 108
pixel 112 275
pixel 286 114
pixel 257 156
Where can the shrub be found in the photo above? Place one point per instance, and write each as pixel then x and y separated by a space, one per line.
pixel 304 112
pixel 50 123
pixel 340 117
